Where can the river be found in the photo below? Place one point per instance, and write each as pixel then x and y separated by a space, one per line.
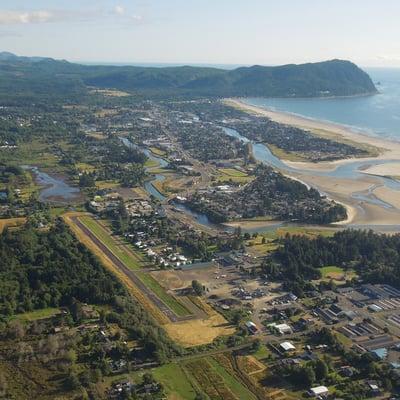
pixel 55 190
pixel 261 152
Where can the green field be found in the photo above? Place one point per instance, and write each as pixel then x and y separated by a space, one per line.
pixel 338 274
pixel 311 232
pixel 107 184
pixel 157 151
pixel 232 172
pixel 177 307
pixel 325 271
pixel 215 381
pixel 135 261
pixel 237 387
pixel 262 352
pixel 234 175
pixel 151 163
pixel 38 314
pixel 176 382
pixel 285 155
pixel 33 152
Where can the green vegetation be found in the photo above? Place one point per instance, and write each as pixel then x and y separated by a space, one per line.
pixel 233 172
pixel 38 314
pixel 177 307
pixel 233 175
pixel 134 261
pixel 373 257
pixel 269 194
pixel 55 80
pixel 237 387
pixel 175 381
pixel 285 155
pixel 262 352
pixel 325 271
pixel 52 282
pixel 215 381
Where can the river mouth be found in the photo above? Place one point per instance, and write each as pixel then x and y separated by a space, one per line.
pixel 351 171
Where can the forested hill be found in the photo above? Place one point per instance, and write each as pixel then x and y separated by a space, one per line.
pixel 25 76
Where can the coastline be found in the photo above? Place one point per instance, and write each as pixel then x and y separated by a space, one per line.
pixel 345 191
pixel 388 149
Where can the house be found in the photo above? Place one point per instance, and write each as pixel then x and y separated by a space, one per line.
pixel 319 391
pixel 374 388
pixel 251 327
pixel 346 371
pixel 283 329
pixel 287 347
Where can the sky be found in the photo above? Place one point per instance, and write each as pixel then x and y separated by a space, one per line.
pixel 267 32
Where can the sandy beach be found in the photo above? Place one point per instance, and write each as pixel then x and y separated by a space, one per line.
pixel 389 170
pixel 352 192
pixel 388 149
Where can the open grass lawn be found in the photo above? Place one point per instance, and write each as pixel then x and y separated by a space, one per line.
pixel 337 274
pixel 37 314
pixel 151 163
pixel 57 211
pixel 326 271
pixel 344 340
pixel 260 247
pixel 232 172
pixel 311 232
pixel 134 261
pixel 177 307
pixel 175 381
pixel 157 151
pixel 31 153
pixel 285 155
pixel 106 184
pixel 161 171
pixel 234 175
pixel 85 167
pixel 262 352
pixel 127 258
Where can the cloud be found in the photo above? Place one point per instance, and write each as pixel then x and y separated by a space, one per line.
pixel 119 10
pixel 389 57
pixel 50 16
pixel 137 18
pixel 16 17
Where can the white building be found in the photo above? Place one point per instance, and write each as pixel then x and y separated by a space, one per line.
pixel 319 391
pixel 287 346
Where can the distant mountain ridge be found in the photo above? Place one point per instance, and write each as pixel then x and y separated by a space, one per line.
pixel 40 76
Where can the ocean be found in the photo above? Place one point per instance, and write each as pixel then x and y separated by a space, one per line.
pixel 377 115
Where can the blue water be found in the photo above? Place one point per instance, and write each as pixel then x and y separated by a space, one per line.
pixel 54 190
pixel 149 184
pixel 377 115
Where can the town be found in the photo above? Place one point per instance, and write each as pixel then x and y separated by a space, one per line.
pixel 154 247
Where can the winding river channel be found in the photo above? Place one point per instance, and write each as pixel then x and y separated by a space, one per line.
pixel 351 170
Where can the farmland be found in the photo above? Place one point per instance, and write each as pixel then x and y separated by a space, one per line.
pixel 216 382
pixel 11 223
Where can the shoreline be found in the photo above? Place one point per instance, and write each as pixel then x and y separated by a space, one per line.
pixel 388 149
pixel 343 190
